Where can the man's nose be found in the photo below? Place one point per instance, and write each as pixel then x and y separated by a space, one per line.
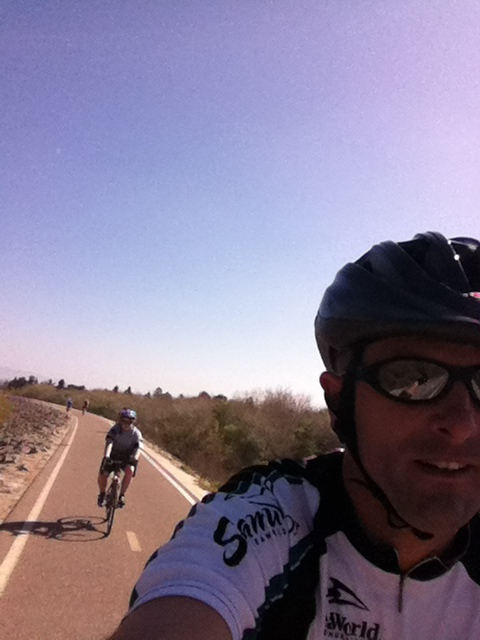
pixel 459 416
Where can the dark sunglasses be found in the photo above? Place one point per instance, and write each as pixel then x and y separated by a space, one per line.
pixel 415 380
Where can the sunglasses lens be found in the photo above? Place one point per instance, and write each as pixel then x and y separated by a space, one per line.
pixel 476 384
pixel 413 380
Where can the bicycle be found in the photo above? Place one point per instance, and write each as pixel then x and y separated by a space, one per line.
pixel 112 495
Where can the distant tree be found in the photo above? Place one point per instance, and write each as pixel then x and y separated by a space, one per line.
pixel 128 391
pixel 61 384
pixel 204 395
pixel 148 395
pixel 17 383
pixel 220 396
pixel 158 392
pixel 32 380
pixel 115 389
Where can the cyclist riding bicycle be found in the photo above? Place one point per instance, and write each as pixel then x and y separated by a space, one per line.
pixel 380 541
pixel 123 444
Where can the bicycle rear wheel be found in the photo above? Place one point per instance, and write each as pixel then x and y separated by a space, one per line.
pixel 111 504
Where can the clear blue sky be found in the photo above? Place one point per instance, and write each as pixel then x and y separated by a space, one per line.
pixel 180 180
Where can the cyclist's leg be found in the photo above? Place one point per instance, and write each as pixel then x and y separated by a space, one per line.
pixel 102 484
pixel 127 478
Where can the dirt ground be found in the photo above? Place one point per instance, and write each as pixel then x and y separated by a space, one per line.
pixel 28 437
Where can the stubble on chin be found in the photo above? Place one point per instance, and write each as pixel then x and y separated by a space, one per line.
pixel 438 513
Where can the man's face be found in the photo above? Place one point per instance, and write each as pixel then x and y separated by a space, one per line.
pixel 425 457
pixel 127 424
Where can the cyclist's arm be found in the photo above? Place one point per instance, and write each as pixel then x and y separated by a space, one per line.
pixel 108 448
pixel 173 618
pixel 136 453
pixel 136 450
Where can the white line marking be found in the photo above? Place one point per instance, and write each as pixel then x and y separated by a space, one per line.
pixel 13 555
pixel 177 486
pixel 133 541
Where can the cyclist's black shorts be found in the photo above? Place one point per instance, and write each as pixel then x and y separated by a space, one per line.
pixel 108 467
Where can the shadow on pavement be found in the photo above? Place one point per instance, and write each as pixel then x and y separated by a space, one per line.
pixel 69 529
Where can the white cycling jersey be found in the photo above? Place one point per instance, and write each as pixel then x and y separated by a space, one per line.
pixel 124 442
pixel 279 554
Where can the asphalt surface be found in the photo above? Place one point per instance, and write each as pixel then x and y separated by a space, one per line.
pixel 60 577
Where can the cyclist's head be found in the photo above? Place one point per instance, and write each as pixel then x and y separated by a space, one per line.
pixel 127 416
pixel 425 288
pixel 428 287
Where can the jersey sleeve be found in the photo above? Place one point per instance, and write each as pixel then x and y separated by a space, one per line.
pixel 236 549
pixel 139 439
pixel 111 434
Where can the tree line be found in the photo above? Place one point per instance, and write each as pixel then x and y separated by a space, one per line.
pixel 21 382
pixel 214 436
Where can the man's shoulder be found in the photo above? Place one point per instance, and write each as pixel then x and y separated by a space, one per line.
pixel 318 471
pixel 135 435
pixel 471 559
pixel 325 467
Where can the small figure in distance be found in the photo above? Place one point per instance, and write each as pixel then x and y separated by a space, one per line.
pixel 86 404
pixel 69 405
pixel 380 540
pixel 123 444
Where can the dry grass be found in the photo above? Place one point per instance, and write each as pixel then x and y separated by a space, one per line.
pixel 5 409
pixel 214 437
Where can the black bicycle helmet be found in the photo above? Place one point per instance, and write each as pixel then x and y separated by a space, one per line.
pixel 426 286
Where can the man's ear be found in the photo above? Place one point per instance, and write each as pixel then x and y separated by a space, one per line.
pixel 332 386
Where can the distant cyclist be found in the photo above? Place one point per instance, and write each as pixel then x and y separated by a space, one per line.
pixel 69 405
pixel 123 444
pixel 86 404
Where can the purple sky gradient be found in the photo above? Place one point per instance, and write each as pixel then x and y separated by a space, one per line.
pixel 180 180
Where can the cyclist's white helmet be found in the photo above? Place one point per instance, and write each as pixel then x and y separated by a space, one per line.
pixel 130 414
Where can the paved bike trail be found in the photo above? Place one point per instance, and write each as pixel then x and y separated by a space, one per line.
pixel 69 581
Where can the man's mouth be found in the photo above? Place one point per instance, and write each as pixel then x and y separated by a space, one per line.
pixel 444 465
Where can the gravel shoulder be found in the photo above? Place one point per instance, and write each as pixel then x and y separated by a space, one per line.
pixel 28 438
